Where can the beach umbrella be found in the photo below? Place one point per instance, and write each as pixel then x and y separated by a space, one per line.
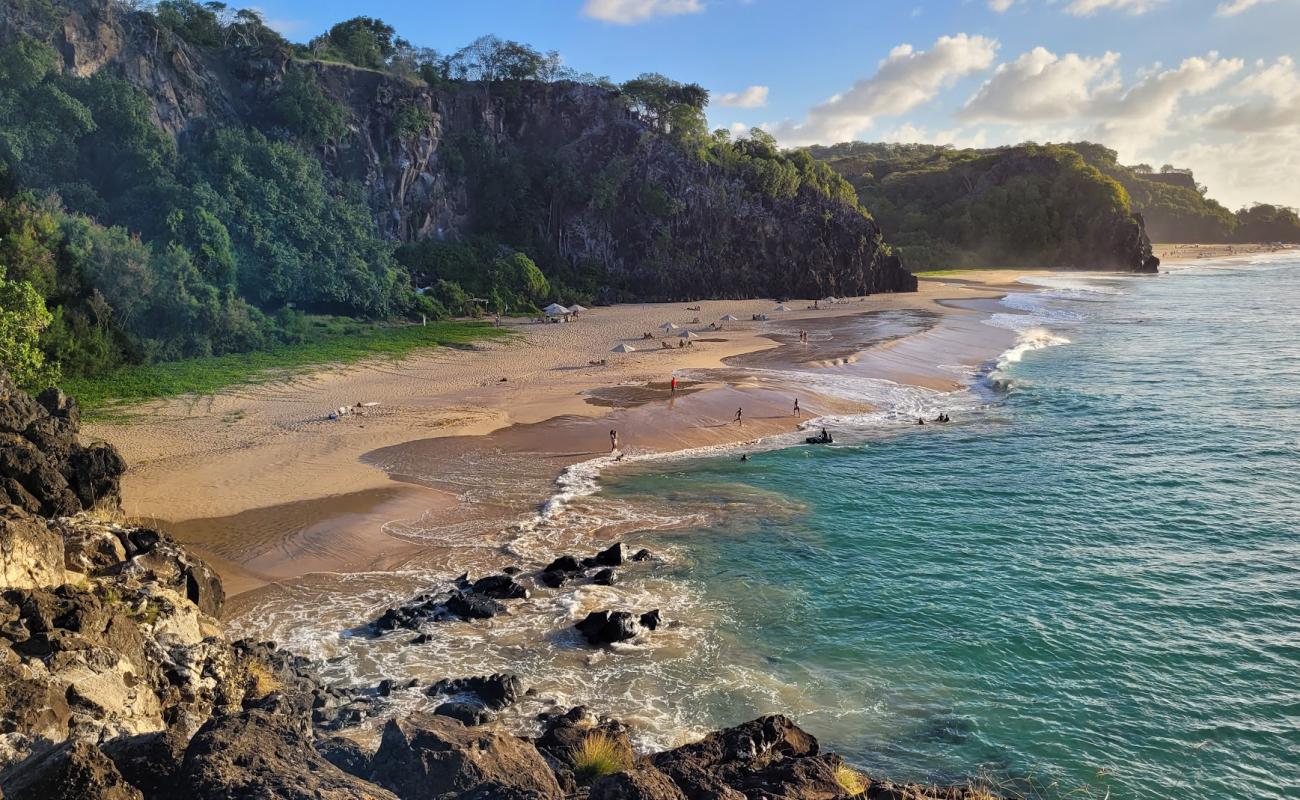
pixel 687 335
pixel 668 326
pixel 576 308
pixel 829 300
pixel 623 348
pixel 555 309
pixel 781 308
pixel 729 318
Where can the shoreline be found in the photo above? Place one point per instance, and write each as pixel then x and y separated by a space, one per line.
pixel 273 496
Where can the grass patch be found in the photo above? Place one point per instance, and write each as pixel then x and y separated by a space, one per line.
pixel 329 340
pixel 940 273
pixel 850 780
pixel 599 755
pixel 261 680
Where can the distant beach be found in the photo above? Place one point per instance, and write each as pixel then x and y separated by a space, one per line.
pixel 259 480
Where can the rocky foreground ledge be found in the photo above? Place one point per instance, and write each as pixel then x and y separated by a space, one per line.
pixel 117 682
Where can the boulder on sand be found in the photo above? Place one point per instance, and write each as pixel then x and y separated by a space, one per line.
pixel 431 757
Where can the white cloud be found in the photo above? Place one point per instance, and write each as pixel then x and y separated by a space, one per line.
pixel 632 12
pixel 1001 6
pixel 751 97
pixel 1086 8
pixel 1258 167
pixel 903 81
pixel 1040 85
pixel 1271 100
pixel 1087 95
pixel 1234 7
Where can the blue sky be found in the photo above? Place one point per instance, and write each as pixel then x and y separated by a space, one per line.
pixel 1210 84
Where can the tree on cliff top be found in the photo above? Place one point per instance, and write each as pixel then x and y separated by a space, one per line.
pixel 22 318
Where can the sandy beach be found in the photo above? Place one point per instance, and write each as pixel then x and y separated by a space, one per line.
pixel 258 480
pixel 1176 253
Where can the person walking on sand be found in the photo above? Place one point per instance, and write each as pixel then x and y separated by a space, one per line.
pixel 797 412
pixel 672 385
pixel 739 417
pixel 613 440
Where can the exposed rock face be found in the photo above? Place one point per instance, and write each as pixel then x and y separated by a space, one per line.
pixel 259 755
pixel 642 783
pixel 608 627
pixel 427 756
pixel 708 233
pixel 44 469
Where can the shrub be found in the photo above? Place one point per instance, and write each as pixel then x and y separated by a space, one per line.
pixel 599 755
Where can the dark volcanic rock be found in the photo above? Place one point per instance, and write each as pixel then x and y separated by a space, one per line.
pixel 494 691
pixel 257 755
pixel 642 783
pixel 737 761
pixel 75 771
pixel 643 555
pixel 651 620
pixel 346 754
pixel 564 564
pixel 44 469
pixel 552 579
pixel 431 757
pixel 469 713
pixel 607 627
pixel 563 733
pixel 605 577
pixel 500 587
pixel 613 556
pixel 473 606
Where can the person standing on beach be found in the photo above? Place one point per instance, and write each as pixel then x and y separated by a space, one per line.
pixel 672 386
pixel 739 414
pixel 613 440
pixel 797 412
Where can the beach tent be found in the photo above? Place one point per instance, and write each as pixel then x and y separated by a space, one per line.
pixel 575 308
pixel 668 326
pixel 623 348
pixel 555 310
pixel 829 300
pixel 687 335
pixel 781 308
pixel 729 318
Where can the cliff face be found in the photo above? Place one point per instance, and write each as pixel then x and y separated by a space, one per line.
pixel 668 226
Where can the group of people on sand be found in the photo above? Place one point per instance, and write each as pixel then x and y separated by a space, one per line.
pixel 803 336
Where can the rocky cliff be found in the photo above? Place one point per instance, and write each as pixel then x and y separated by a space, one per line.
pixel 517 159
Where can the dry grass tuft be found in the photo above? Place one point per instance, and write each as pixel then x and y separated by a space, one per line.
pixel 599 755
pixel 261 681
pixel 850 780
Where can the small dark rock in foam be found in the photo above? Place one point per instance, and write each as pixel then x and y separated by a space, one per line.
pixel 493 691
pixel 466 712
pixel 563 564
pixel 552 579
pixel 605 577
pixel 643 555
pixel 651 619
pixel 607 627
pixel 500 587
pixel 613 556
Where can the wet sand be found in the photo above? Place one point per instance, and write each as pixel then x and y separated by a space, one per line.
pixel 256 480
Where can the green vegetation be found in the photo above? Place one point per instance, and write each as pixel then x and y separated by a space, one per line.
pixel 23 317
pixel 599 755
pixel 325 341
pixel 1030 204
pixel 168 258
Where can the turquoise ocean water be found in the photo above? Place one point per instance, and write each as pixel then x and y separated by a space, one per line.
pixel 1090 579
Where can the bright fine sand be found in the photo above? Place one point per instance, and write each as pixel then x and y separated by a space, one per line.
pixel 261 483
